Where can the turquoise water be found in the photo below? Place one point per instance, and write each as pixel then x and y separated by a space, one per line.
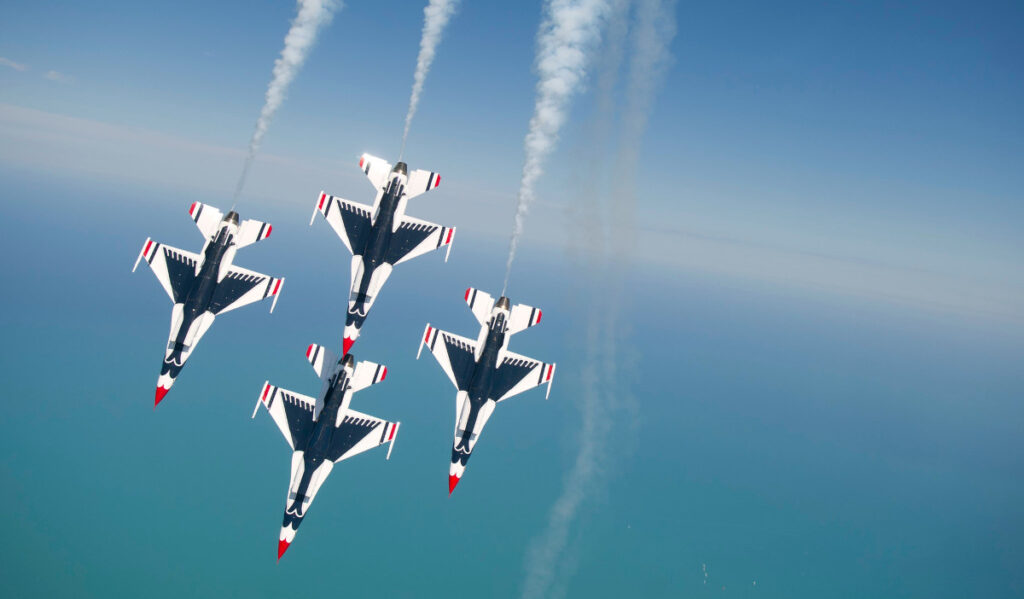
pixel 790 445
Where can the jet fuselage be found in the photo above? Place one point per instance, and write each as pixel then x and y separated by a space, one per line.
pixel 379 240
pixel 198 299
pixel 479 390
pixel 315 452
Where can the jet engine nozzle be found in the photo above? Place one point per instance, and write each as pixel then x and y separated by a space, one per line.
pixel 348 361
pixel 231 216
pixel 503 303
pixel 400 168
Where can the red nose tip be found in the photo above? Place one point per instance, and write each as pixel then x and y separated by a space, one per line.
pixel 282 546
pixel 160 393
pixel 452 481
pixel 347 345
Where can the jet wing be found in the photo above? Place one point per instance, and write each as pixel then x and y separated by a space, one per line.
pixel 174 268
pixel 292 412
pixel 518 373
pixel 207 219
pixel 421 181
pixel 416 237
pixel 376 170
pixel 358 433
pixel 455 354
pixel 351 221
pixel 241 287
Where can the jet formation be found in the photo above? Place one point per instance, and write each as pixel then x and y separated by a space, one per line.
pixel 324 430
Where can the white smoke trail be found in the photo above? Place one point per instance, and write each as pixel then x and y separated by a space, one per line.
pixel 435 17
pixel 312 15
pixel 567 36
pixel 547 562
pixel 606 350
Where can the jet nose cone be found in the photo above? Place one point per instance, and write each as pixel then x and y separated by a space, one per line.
pixel 160 393
pixel 347 344
pixel 452 481
pixel 282 546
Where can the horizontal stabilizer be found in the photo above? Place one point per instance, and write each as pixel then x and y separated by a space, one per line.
pixel 522 318
pixel 207 219
pixel 481 303
pixel 251 231
pixel 421 181
pixel 376 170
pixel 366 374
pixel 321 359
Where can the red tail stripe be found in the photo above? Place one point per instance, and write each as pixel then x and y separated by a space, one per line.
pixel 309 350
pixel 550 368
pixel 450 232
pixel 276 287
pixel 427 338
pixel 322 197
pixel 149 242
pixel 392 435
pixel 265 389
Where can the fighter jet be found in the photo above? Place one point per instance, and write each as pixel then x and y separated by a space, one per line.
pixel 323 430
pixel 483 371
pixel 205 285
pixel 381 236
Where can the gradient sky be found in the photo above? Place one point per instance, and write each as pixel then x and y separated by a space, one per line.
pixel 825 316
pixel 857 149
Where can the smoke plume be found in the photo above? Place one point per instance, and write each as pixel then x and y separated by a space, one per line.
pixel 567 36
pixel 312 15
pixel 605 397
pixel 435 17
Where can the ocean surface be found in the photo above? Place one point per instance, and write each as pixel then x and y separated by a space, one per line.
pixel 773 442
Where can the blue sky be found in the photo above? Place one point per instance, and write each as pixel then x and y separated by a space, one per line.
pixel 818 383
pixel 790 137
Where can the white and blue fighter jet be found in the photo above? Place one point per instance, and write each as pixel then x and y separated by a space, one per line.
pixel 483 370
pixel 205 285
pixel 323 431
pixel 381 236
